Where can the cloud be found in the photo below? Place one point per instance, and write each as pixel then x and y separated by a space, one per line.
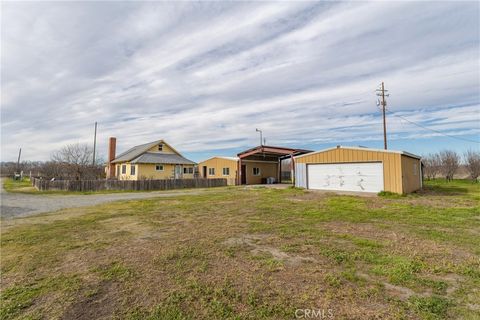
pixel 204 75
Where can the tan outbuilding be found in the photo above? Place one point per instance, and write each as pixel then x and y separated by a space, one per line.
pixel 220 167
pixel 359 169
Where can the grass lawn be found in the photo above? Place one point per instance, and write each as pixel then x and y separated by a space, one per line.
pixel 23 186
pixel 249 253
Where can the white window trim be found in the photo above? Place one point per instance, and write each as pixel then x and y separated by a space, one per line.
pixel 259 171
pixel 223 172
pixel 160 147
pixel 157 165
pixel 134 169
pixel 211 174
pixel 124 166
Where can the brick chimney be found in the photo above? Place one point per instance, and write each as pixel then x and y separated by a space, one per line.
pixel 112 145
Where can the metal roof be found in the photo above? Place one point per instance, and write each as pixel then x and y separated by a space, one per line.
pixel 274 151
pixel 228 158
pixel 220 157
pixel 160 157
pixel 134 152
pixel 408 154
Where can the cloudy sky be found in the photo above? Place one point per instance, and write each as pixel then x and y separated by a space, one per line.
pixel 204 75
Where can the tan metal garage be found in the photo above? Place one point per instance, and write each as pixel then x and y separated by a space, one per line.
pixel 359 169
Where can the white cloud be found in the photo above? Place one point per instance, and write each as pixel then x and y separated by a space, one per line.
pixel 203 76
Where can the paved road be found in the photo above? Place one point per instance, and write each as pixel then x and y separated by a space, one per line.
pixel 14 205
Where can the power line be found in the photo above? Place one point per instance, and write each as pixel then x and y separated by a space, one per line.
pixel 427 128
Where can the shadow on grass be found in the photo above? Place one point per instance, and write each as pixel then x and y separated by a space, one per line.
pixel 449 188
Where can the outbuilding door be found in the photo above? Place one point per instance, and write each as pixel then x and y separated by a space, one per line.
pixel 243 174
pixel 359 176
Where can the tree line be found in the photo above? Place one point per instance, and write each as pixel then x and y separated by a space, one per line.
pixel 71 162
pixel 74 162
pixel 447 162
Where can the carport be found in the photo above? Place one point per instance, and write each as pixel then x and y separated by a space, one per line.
pixel 262 164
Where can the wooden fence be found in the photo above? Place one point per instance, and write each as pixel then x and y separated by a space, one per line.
pixel 140 185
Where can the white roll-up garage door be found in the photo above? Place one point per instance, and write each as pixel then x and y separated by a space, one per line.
pixel 361 177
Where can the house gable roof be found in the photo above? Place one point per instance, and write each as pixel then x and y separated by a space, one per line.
pixel 159 157
pixel 137 151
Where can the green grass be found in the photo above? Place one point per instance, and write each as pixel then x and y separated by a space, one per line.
pixel 11 185
pixel 115 271
pixel 18 298
pixel 235 253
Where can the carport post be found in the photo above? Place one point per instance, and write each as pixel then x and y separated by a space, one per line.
pixel 239 171
pixel 292 169
pixel 279 171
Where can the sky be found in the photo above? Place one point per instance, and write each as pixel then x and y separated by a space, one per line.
pixel 204 75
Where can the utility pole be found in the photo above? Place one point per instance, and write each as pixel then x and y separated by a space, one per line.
pixel 18 160
pixel 94 143
pixel 382 93
pixel 261 137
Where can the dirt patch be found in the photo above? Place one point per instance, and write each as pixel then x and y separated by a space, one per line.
pixel 308 196
pixel 97 302
pixel 453 280
pixel 399 292
pixel 252 241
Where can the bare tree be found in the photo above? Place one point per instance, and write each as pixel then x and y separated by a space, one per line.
pixel 450 163
pixel 74 161
pixel 52 169
pixel 472 163
pixel 432 165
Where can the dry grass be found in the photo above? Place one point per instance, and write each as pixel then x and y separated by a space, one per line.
pixel 249 254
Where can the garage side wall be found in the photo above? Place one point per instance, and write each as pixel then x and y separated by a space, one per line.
pixel 392 165
pixel 411 174
pixel 300 175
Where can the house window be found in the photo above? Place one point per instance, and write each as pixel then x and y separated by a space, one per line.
pixel 188 170
pixel 118 170
pixel 159 167
pixel 160 147
pixel 256 171
pixel 132 169
pixel 415 169
pixel 226 171
pixel 124 168
pixel 211 171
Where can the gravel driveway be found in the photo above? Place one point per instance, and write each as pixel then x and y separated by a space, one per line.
pixel 14 205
